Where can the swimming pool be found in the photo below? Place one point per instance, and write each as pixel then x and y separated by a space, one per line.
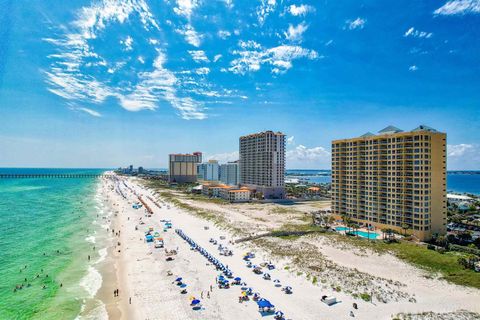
pixel 363 234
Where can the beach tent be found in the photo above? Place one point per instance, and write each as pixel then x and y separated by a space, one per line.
pixel 264 303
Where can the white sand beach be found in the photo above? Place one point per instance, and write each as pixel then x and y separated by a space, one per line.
pixel 142 272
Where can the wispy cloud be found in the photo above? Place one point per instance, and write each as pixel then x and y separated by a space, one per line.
pixel 459 7
pixel 79 73
pixel 417 33
pixel 224 157
pixel 185 7
pixel 128 42
pixel 413 68
pixel 300 10
pixel 295 33
pixel 191 35
pixel 90 112
pixel 279 58
pixel 358 23
pixel 224 34
pixel 291 140
pixel 265 9
pixel 199 56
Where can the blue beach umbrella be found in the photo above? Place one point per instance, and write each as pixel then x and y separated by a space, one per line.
pixel 195 302
pixel 178 279
pixel 238 279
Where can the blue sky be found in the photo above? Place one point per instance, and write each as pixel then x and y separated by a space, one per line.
pixel 107 83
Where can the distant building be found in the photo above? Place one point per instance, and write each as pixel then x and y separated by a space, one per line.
pixel 208 171
pixel 262 163
pixel 183 167
pixel 394 179
pixel 230 173
pixel 140 170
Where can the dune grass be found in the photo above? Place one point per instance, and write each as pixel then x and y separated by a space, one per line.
pixel 446 264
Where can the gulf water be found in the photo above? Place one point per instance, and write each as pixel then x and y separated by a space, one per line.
pixel 46 235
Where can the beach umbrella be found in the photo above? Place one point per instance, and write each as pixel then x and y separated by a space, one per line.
pixel 276 281
pixel 195 302
pixel 279 314
pixel 178 279
pixel 238 279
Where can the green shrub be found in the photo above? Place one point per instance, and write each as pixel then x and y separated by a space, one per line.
pixel 365 297
pixel 456 247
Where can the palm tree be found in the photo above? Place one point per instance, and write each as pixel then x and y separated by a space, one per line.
pixel 405 227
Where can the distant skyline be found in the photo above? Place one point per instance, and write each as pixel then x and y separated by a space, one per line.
pixel 107 83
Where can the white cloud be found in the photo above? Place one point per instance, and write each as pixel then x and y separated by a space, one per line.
pixel 69 75
pixel 291 140
pixel 203 70
pixel 264 9
pixel 198 56
pixel 295 33
pixel 279 58
pixel 459 150
pixel 228 3
pixel 224 157
pixel 417 34
pixel 301 156
pixel 191 36
pixel 224 34
pixel 463 156
pixel 358 23
pixel 128 42
pixel 413 68
pixel 217 57
pixel 459 7
pixel 300 10
pixel 185 8
pixel 90 112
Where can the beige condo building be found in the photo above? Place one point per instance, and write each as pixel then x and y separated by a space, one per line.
pixel 182 168
pixel 394 179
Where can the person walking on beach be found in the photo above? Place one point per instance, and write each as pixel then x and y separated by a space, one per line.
pixel 130 300
pixel 115 292
pixel 89 258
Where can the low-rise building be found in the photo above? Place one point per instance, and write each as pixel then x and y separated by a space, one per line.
pixel 235 195
pixel 213 190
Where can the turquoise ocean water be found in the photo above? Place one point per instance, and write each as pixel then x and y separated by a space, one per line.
pixel 45 225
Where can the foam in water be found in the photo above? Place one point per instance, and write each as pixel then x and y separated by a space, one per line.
pixel 97 313
pixel 90 239
pixel 103 255
pixel 92 281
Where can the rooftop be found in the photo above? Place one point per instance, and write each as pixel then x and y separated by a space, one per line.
pixel 394 130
